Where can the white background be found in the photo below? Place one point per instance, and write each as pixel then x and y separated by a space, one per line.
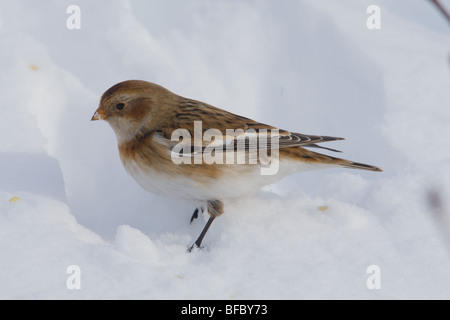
pixel 307 66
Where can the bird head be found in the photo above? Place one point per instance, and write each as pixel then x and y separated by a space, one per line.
pixel 130 106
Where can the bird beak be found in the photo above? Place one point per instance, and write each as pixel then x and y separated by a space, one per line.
pixel 98 115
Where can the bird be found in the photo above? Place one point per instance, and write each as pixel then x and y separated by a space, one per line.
pixel 191 151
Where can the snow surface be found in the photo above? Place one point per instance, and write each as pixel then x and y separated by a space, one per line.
pixel 309 66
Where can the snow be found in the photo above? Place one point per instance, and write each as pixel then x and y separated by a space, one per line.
pixel 307 66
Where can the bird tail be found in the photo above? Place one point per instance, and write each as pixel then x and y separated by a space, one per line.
pixel 355 165
pixel 319 158
pixel 326 159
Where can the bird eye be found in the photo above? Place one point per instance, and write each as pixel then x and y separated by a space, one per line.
pixel 120 106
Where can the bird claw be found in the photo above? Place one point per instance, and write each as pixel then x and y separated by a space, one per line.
pixel 192 247
pixel 194 216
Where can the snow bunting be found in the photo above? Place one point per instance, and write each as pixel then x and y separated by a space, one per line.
pixel 189 150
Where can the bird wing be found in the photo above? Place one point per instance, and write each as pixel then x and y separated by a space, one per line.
pixel 198 126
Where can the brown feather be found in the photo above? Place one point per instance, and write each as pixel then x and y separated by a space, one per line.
pixel 158 110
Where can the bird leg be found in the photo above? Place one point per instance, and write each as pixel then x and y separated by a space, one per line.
pixel 215 209
pixel 199 240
